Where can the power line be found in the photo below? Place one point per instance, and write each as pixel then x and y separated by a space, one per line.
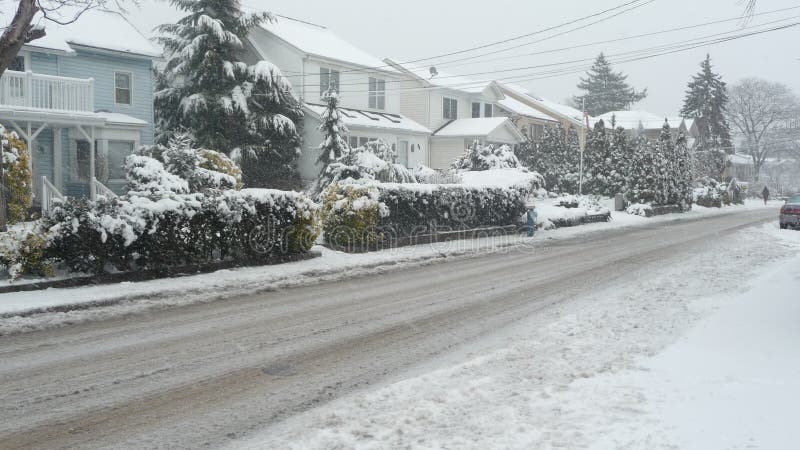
pixel 697 40
pixel 523 36
pixel 592 44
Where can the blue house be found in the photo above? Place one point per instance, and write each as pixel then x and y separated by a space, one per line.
pixel 82 98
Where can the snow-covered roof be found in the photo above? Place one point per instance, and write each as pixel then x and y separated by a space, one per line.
pixel 484 126
pixel 320 41
pixel 518 107
pixel 97 28
pixel 370 119
pixel 121 119
pixel 441 79
pixel 554 109
pixel 58 117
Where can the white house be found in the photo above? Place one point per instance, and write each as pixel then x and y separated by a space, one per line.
pixel 459 111
pixel 313 59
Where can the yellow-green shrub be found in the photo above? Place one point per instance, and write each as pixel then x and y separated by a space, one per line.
pixel 350 216
pixel 218 162
pixel 18 178
pixel 24 253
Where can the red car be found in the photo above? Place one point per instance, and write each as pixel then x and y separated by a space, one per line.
pixel 790 213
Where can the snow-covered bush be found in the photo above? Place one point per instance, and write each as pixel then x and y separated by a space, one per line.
pixel 735 193
pixel 567 201
pixel 395 210
pixel 202 169
pixel 17 177
pixel 146 232
pixel 640 209
pixel 148 176
pixel 426 175
pixel 350 216
pixel 23 252
pixel 413 208
pixel 710 193
pixel 486 157
pixel 365 164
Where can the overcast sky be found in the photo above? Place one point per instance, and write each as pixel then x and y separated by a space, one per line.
pixel 412 29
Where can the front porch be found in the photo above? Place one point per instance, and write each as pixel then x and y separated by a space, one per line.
pixel 74 155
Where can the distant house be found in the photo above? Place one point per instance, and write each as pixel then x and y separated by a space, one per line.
pixel 82 98
pixel 540 112
pixel 313 59
pixel 642 123
pixel 461 111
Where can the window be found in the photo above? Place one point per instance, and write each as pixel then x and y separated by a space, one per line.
pixel 377 93
pixel 476 110
pixel 450 109
pixel 328 78
pixel 488 111
pixel 18 64
pixel 536 131
pixel 122 88
pixel 360 141
pixel 117 152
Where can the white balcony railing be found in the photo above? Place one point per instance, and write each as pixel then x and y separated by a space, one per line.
pixel 33 90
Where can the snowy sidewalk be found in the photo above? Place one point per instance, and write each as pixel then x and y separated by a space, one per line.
pixel 605 371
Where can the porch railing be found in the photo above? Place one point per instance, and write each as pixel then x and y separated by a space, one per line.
pixel 40 91
pixel 102 189
pixel 49 194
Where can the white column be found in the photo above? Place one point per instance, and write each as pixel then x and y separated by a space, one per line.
pixel 58 155
pixel 92 188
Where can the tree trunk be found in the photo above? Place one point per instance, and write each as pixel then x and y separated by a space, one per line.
pixel 18 33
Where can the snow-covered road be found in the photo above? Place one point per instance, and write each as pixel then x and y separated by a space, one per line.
pixel 300 362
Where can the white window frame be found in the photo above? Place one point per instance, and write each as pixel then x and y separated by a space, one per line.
pixel 130 87
pixel 328 71
pixel 450 104
pixel 478 105
pixel 377 93
pixel 488 108
pixel 26 59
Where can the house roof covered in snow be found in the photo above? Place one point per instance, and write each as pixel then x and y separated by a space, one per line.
pixel 499 129
pixel 319 41
pixel 432 76
pixel 370 119
pixel 554 109
pixel 95 28
pixel 523 109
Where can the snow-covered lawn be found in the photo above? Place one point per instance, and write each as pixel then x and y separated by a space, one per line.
pixel 16 309
pixel 691 355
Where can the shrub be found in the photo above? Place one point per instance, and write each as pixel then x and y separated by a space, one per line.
pixel 24 253
pixel 486 157
pixel 710 193
pixel 18 179
pixel 426 175
pixel 367 213
pixel 350 216
pixel 138 232
pixel 374 162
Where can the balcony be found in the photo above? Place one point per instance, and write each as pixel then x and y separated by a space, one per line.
pixel 46 92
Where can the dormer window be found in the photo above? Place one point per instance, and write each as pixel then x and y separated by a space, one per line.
pixel 377 93
pixel 328 79
pixel 450 109
pixel 122 88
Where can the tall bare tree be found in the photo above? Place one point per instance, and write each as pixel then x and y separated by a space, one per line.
pixel 764 114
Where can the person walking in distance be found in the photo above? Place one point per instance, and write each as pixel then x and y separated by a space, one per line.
pixel 765 194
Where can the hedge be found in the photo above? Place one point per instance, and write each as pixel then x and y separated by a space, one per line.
pixel 405 210
pixel 139 232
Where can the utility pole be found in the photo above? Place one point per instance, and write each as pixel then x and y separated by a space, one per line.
pixel 582 143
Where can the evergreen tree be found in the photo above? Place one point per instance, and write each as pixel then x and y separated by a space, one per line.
pixel 597 160
pixel 246 111
pixel 558 159
pixel 606 90
pixel 643 181
pixel 333 145
pixel 706 101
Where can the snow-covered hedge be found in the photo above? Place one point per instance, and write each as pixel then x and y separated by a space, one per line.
pixel 710 193
pixel 373 162
pixel 381 211
pixel 138 232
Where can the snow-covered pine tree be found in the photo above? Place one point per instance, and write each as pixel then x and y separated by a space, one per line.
pixel 606 90
pixel 558 156
pixel 246 111
pixel 685 175
pixel 333 145
pixel 706 101
pixel 597 160
pixel 621 154
pixel 643 181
